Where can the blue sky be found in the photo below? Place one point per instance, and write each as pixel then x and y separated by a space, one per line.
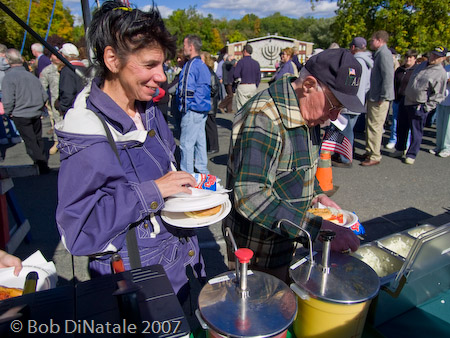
pixel 231 9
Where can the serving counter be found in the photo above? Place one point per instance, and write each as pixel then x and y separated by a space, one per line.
pixel 414 270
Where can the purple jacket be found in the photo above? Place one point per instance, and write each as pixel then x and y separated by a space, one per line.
pixel 287 68
pixel 98 199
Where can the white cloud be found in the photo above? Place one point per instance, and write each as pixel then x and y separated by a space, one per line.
pixel 68 3
pixel 263 8
pixel 164 10
pixel 77 20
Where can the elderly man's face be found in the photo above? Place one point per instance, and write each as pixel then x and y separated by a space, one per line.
pixel 319 106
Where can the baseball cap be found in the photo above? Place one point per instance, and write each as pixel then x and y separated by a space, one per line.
pixel 440 51
pixel 69 49
pixel 359 42
pixel 341 73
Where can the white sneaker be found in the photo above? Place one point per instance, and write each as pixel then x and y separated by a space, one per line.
pixel 4 141
pixel 433 151
pixel 444 153
pixel 396 154
pixel 16 139
pixel 390 145
pixel 410 160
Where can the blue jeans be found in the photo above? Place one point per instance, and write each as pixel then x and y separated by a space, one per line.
pixel 443 128
pixel 193 142
pixel 393 138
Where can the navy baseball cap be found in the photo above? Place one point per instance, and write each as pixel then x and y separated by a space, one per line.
pixel 359 42
pixel 341 73
pixel 440 51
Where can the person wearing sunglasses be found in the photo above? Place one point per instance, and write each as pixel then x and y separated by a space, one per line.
pixel 274 157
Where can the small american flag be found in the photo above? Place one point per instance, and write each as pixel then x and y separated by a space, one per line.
pixel 336 142
pixel 351 71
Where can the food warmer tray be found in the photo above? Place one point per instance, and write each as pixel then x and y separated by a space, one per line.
pixel 422 274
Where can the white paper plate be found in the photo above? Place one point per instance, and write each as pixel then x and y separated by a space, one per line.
pixel 200 193
pixel 178 204
pixel 349 218
pixel 179 219
pixel 8 279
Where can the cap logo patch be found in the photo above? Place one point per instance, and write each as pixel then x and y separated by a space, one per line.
pixel 439 49
pixel 352 79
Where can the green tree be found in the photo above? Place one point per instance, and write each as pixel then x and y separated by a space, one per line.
pixel 11 33
pixel 236 36
pixel 257 27
pixel 278 24
pixel 217 42
pixel 418 24
pixel 183 22
pixel 320 33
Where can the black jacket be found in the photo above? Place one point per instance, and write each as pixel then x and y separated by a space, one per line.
pixel 70 84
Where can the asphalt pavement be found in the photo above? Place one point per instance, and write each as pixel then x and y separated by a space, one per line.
pixel 387 198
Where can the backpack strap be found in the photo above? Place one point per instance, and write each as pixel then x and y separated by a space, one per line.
pixel 132 247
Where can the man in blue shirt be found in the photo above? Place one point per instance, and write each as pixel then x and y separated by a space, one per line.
pixel 194 103
pixel 249 73
pixel 42 60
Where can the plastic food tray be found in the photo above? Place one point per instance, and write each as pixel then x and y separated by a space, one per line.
pixel 398 252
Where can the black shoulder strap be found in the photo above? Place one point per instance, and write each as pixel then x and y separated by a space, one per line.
pixel 133 252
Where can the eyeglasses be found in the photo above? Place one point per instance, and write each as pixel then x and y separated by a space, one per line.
pixel 332 108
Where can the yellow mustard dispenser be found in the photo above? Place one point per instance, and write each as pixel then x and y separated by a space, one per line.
pixel 334 295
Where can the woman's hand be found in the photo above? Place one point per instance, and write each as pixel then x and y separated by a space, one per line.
pixel 326 201
pixel 345 238
pixel 7 260
pixel 174 182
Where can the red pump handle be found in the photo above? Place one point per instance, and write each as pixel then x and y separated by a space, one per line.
pixel 244 255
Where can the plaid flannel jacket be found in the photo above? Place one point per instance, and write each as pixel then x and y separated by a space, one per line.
pixel 271 169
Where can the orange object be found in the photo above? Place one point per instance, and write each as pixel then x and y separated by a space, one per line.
pixel 117 263
pixel 324 172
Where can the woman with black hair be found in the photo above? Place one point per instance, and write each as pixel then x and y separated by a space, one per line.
pixel 117 153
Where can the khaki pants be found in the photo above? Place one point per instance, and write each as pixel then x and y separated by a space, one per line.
pixel 376 116
pixel 244 92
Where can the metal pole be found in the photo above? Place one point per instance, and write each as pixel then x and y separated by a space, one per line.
pixel 86 13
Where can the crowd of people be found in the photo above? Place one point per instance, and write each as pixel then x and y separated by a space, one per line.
pixel 31 90
pixel 118 153
pixel 383 89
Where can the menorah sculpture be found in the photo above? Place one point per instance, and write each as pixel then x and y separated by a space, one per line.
pixel 270 52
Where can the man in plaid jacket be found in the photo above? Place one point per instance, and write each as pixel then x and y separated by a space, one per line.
pixel 274 156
